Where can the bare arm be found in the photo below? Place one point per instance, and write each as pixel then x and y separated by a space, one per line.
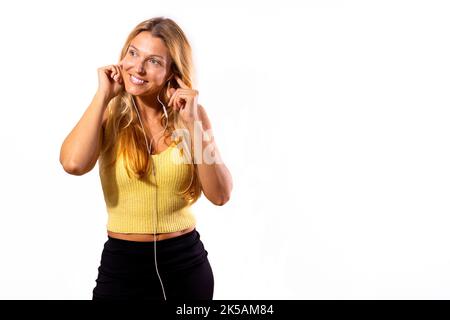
pixel 214 175
pixel 81 148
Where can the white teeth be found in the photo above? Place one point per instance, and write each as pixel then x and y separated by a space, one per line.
pixel 136 80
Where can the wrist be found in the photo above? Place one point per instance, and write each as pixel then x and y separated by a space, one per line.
pixel 102 98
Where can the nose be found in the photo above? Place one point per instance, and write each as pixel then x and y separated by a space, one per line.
pixel 140 67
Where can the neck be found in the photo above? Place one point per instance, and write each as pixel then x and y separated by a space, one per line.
pixel 149 107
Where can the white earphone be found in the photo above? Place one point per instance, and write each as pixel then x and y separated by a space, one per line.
pixel 154 175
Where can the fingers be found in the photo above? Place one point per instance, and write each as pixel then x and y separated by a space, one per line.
pixel 109 71
pixel 181 83
pixel 172 98
pixel 181 97
pixel 171 93
pixel 119 70
pixel 175 94
pixel 116 74
pixel 175 100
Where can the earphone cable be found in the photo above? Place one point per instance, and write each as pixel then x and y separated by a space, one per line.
pixel 156 186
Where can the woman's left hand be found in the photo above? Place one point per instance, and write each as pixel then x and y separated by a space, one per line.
pixel 184 100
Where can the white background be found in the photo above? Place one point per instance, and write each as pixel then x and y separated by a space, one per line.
pixel 332 116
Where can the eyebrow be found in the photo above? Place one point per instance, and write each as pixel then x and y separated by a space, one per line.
pixel 151 55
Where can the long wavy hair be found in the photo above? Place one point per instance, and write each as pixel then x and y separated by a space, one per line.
pixel 123 134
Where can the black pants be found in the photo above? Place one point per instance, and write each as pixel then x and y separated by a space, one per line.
pixel 127 270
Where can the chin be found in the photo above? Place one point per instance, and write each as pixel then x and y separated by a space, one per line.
pixel 137 91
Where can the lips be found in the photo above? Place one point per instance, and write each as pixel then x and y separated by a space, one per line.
pixel 137 81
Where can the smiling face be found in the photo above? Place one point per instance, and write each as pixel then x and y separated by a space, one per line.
pixel 146 65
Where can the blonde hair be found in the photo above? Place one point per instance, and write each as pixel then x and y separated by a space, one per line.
pixel 123 134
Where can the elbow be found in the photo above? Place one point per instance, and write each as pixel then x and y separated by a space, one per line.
pixel 72 168
pixel 221 201
pixel 221 194
pixel 223 198
pixel 217 199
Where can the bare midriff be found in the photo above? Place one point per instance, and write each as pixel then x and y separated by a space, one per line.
pixel 148 237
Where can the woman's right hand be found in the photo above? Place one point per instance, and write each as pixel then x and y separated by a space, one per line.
pixel 110 81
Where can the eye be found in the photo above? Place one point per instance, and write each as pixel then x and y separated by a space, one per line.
pixel 154 60
pixel 132 52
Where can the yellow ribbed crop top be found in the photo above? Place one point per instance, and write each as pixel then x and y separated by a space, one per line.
pixel 130 202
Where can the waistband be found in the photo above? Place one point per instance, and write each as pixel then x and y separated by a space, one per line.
pixel 191 235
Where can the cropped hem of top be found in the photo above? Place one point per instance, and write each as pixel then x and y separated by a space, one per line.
pixel 132 203
pixel 181 222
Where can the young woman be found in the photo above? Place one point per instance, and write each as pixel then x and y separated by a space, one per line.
pixel 156 155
